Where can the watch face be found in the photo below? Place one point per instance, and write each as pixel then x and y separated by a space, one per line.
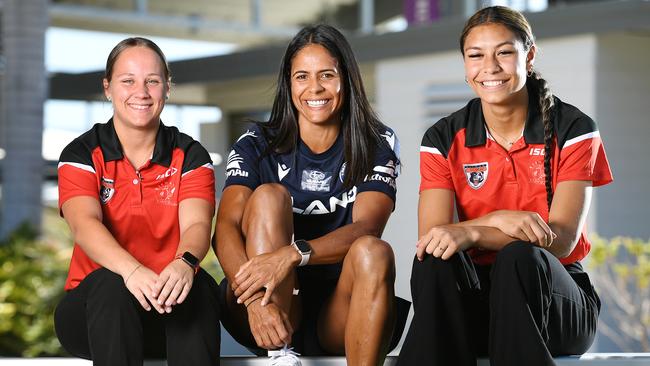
pixel 303 246
pixel 190 259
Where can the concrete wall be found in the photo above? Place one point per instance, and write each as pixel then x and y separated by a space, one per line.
pixel 622 97
pixel 401 86
pixel 22 93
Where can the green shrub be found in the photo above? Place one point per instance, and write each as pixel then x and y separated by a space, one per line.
pixel 32 275
pixel 620 268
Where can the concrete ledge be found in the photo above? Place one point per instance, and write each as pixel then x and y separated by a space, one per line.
pixel 600 359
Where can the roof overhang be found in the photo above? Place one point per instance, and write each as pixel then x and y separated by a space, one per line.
pixel 598 17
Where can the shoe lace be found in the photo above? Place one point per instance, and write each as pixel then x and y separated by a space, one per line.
pixel 285 357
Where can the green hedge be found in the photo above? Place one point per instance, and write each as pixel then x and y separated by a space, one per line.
pixel 32 275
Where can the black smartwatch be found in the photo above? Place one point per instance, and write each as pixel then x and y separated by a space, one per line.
pixel 303 247
pixel 190 259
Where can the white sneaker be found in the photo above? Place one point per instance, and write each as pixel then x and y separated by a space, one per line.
pixel 284 357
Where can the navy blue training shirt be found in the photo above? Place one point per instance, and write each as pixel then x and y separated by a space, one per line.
pixel 314 181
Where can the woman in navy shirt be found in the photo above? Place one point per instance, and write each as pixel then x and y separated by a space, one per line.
pixel 306 199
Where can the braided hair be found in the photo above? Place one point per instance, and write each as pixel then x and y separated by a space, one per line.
pixel 545 104
pixel 519 26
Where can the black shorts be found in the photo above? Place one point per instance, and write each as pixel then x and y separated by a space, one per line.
pixel 314 291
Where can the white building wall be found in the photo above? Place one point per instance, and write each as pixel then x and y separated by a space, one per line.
pixel 401 85
pixel 622 101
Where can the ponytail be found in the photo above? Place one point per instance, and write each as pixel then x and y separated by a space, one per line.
pixel 545 103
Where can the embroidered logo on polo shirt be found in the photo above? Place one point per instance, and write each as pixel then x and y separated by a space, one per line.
pixel 107 190
pixel 476 174
pixel 165 193
pixel 537 175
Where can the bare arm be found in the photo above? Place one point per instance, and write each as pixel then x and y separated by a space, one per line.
pixel 176 279
pixel 84 216
pixel 195 221
pixel 369 217
pixel 435 207
pixel 571 201
pixel 440 237
pixel 568 213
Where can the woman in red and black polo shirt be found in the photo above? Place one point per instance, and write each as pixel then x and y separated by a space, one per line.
pixel 139 199
pixel 519 164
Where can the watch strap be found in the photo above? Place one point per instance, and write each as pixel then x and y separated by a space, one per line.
pixel 304 256
pixel 183 256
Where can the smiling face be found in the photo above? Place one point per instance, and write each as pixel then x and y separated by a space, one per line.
pixel 496 63
pixel 316 86
pixel 137 88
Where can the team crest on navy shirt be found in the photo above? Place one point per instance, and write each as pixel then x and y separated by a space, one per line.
pixel 476 174
pixel 107 190
pixel 315 181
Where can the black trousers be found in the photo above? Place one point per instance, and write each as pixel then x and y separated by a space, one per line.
pixel 101 320
pixel 522 310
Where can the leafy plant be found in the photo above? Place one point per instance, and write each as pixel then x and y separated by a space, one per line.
pixel 32 274
pixel 621 273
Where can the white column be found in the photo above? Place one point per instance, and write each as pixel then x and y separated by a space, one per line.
pixel 23 91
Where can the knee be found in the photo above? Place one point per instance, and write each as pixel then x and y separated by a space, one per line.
pixel 206 291
pixel 518 252
pixel 518 256
pixel 108 288
pixel 370 255
pixel 430 265
pixel 202 306
pixel 271 194
pixel 70 328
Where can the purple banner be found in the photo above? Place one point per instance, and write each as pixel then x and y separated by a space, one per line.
pixel 421 11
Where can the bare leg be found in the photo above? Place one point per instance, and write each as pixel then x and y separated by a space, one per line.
pixel 267 225
pixel 358 319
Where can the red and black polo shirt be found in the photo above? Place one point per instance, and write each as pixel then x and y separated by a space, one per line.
pixel 140 208
pixel 458 154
